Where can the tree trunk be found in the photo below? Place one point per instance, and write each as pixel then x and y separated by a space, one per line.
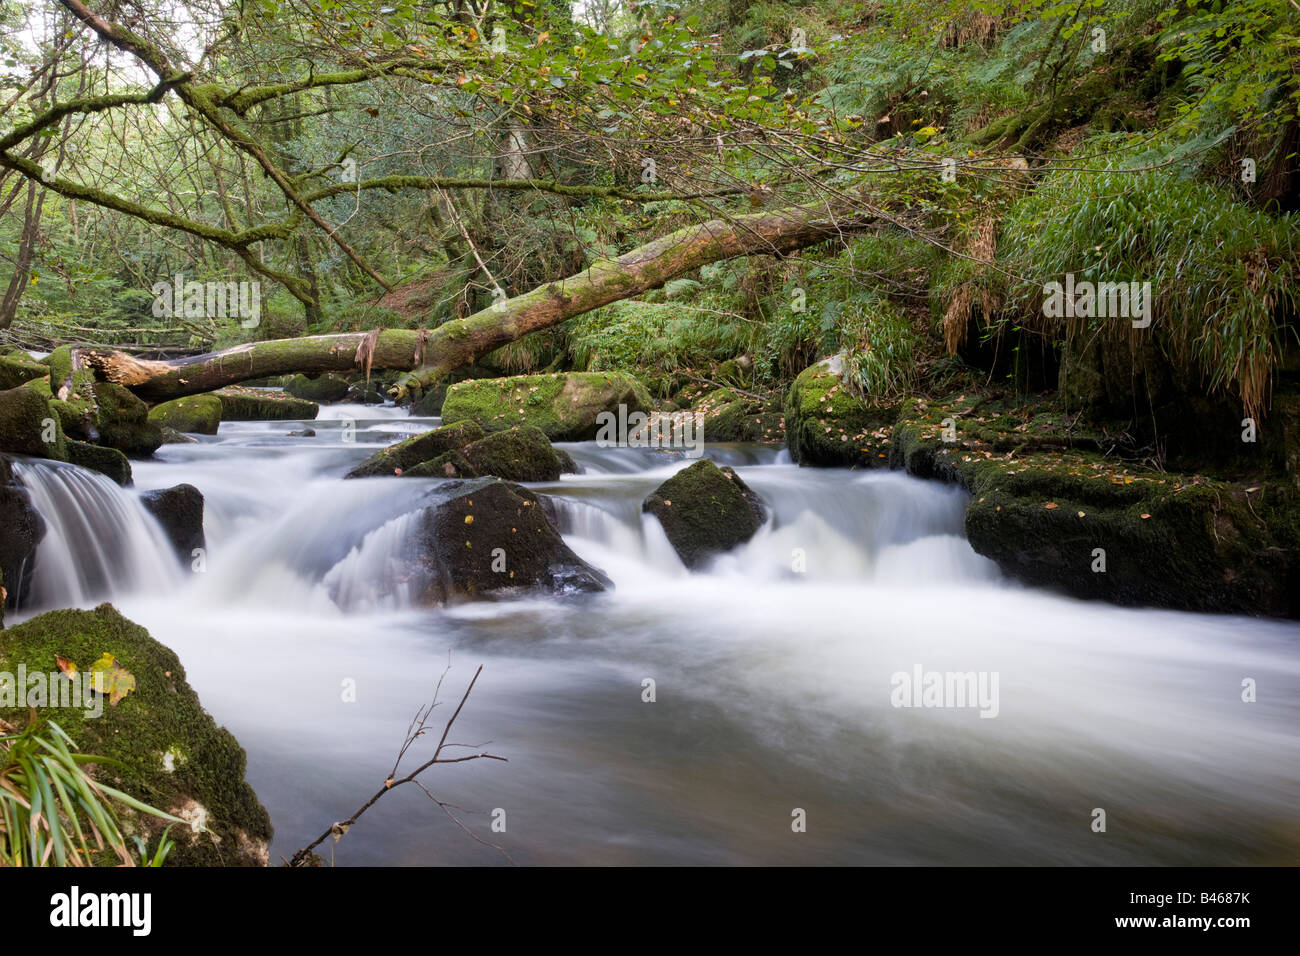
pixel 434 353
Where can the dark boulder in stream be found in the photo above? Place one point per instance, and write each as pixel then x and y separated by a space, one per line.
pixel 705 510
pixel 523 453
pixel 106 461
pixel 321 388
pixel 395 459
pixel 486 535
pixel 239 404
pixel 21 530
pixel 180 512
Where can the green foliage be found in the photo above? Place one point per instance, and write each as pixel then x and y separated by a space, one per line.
pixel 1241 55
pixel 633 335
pixel 54 812
pixel 1223 275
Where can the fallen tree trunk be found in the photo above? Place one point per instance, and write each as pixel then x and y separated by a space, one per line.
pixel 431 354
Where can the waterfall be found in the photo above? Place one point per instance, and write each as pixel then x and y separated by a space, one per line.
pixel 99 539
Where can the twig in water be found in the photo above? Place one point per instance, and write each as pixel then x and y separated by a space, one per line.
pixel 414 731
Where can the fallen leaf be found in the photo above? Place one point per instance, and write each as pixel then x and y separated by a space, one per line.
pixel 108 677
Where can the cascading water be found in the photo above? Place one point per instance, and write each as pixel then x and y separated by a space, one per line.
pixel 772 672
pixel 99 540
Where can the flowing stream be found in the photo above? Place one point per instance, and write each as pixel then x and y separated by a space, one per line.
pixel 772 673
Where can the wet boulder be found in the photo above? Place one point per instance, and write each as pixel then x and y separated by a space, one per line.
pixel 827 425
pixel 122 422
pixel 429 404
pixel 180 512
pixel 21 530
pixel 395 459
pixel 362 394
pixel 565 406
pixel 106 461
pixel 728 415
pixel 1055 512
pixel 173 437
pixel 320 388
pixel 29 426
pixel 487 536
pixel 168 751
pixel 240 404
pixel 198 414
pixel 101 413
pixel 518 454
pixel 17 368
pixel 705 510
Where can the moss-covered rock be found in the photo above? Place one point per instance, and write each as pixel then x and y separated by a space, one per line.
pixel 395 459
pixel 517 454
pixel 1054 512
pixel 123 422
pixel 29 426
pixel 200 414
pixel 363 393
pixel 450 464
pixel 106 461
pixel 77 413
pixel 705 510
pixel 180 512
pixel 727 415
pixel 564 405
pixel 322 388
pixel 240 404
pixel 101 413
pixel 21 530
pixel 60 362
pixel 429 404
pixel 487 536
pixel 17 368
pixel 827 425
pixel 172 437
pixel 173 755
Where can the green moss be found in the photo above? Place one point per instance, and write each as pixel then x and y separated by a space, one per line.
pixel 162 714
pixel 256 405
pixel 60 366
pixel 729 416
pixel 828 425
pixel 26 421
pixel 17 368
pixel 123 421
pixel 413 451
pixel 1046 506
pixel 517 454
pixel 563 405
pixel 195 413
pixel 106 461
pixel 322 388
pixel 705 510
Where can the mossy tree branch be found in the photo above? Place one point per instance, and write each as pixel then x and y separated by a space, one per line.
pixel 431 354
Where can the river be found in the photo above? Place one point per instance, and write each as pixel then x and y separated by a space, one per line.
pixel 773 673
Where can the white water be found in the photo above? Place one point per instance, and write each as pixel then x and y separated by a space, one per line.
pixel 773 685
